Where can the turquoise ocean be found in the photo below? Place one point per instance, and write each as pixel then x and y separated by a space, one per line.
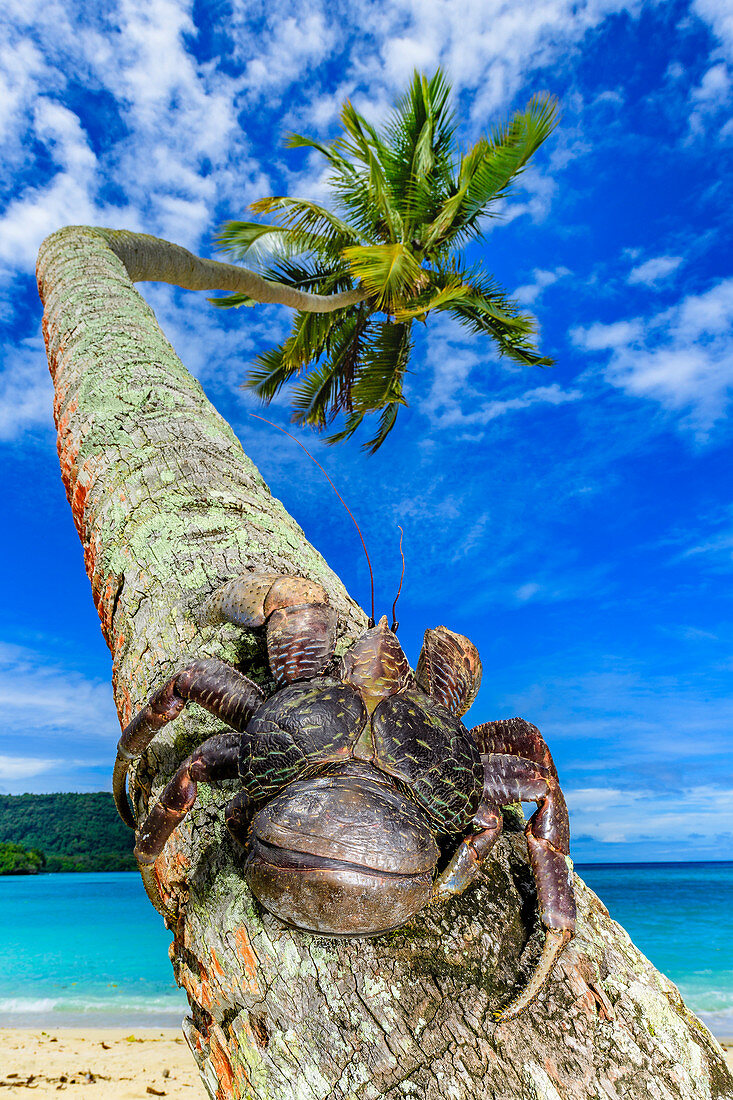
pixel 88 950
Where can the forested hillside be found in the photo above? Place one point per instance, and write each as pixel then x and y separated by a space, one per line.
pixel 75 832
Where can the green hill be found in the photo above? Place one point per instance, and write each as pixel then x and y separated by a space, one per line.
pixel 75 832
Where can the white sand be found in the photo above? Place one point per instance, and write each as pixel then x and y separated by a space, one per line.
pixel 109 1064
pixel 98 1064
pixel 727 1045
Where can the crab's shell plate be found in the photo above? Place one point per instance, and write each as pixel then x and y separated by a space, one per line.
pixel 427 748
pixel 304 725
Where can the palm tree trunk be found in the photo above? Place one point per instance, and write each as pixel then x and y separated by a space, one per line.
pixel 167 506
pixel 151 259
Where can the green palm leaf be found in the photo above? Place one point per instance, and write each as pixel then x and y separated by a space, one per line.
pixel 405 201
pixel 488 168
pixel 388 271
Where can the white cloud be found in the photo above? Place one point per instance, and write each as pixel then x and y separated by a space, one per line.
pixel 181 145
pixel 65 199
pixel 460 409
pixel 23 767
pixel 715 84
pixel 288 47
pixel 528 294
pixel 47 699
pixel 712 547
pixel 532 194
pixel 613 815
pixel 654 270
pixel 681 358
pixel 26 393
pixel 599 337
pixel 174 150
pixel 719 16
pixel 483 45
pixel 708 100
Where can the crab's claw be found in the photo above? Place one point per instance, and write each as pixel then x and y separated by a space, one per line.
pixel 555 941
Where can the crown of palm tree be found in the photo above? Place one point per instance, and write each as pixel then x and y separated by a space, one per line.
pixel 406 202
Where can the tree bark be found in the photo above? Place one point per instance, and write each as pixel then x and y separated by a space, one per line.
pixel 151 259
pixel 167 507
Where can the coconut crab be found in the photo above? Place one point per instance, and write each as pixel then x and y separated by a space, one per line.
pixel 353 770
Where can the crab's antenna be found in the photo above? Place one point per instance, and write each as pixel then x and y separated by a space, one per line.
pixel 338 494
pixel 395 624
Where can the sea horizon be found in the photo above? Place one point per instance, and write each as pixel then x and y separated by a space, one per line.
pixel 576 864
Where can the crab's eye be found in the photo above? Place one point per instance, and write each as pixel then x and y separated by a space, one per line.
pixel 341 855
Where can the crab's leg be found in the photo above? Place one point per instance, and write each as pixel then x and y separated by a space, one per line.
pixel 518 767
pixel 215 759
pixel 471 852
pixel 213 684
pixel 237 816
pixel 449 669
pixel 300 623
pixel 521 768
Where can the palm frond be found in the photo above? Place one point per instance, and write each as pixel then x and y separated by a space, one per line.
pixel 435 297
pixel 302 214
pixel 509 150
pixel 233 301
pixel 405 203
pixel 353 421
pixel 386 424
pixel 239 238
pixel 388 271
pixel 488 168
pixel 320 278
pixel 378 385
pixel 326 390
pixel 310 335
pixel 382 367
pixel 268 374
pixel 278 242
pixel 513 335
pixel 341 164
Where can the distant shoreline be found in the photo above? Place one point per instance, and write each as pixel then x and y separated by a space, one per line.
pixel 578 867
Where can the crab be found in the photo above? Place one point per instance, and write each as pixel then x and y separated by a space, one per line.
pixel 354 773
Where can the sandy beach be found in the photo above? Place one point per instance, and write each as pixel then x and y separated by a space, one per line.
pixel 102 1064
pixel 98 1064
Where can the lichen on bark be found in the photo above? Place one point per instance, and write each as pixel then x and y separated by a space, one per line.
pixel 168 506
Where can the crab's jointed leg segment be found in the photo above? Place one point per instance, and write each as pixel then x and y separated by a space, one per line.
pixel 237 816
pixel 471 852
pixel 518 767
pixel 215 759
pixel 213 684
pixel 300 641
pixel 301 624
pixel 449 669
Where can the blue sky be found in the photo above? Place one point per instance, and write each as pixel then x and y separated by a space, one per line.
pixel 577 522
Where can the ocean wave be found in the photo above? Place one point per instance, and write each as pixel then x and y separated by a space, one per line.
pixel 707 1000
pixel 99 1005
pixel 720 1023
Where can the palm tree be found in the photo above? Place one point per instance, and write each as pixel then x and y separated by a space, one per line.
pixel 407 203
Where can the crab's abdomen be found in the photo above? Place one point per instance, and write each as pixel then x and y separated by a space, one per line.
pixel 342 854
